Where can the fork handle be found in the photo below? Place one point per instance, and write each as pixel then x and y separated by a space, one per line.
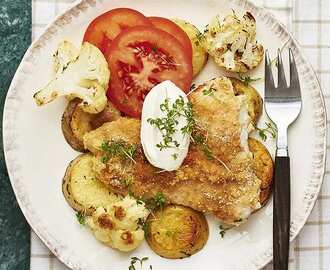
pixel 281 222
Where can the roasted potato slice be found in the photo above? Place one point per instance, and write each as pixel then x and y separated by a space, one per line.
pixel 263 167
pixel 176 231
pixel 200 56
pixel 254 100
pixel 76 122
pixel 82 190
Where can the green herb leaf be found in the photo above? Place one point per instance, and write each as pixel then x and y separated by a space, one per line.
pixel 175 156
pixel 134 260
pixel 168 125
pixel 160 200
pixel 209 92
pixel 125 182
pixel 104 159
pixel 156 202
pixel 118 148
pixel 81 218
pixel 247 79
pixel 269 129
pixel 201 140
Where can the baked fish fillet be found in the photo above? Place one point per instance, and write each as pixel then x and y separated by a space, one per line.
pixel 216 176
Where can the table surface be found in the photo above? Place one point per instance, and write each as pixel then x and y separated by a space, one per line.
pixel 309 20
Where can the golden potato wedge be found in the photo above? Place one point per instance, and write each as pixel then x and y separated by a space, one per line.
pixel 69 136
pixel 254 100
pixel 76 123
pixel 263 167
pixel 200 56
pixel 82 190
pixel 176 231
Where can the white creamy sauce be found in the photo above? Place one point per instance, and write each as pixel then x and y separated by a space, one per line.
pixel 168 159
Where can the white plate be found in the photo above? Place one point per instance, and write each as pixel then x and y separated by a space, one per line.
pixel 37 154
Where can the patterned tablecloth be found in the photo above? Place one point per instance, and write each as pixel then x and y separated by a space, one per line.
pixel 309 20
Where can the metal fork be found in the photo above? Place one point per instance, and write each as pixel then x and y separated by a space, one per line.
pixel 282 105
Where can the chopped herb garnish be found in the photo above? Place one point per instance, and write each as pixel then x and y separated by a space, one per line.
pixel 207 152
pixel 160 200
pixel 125 182
pixel 247 79
pixel 105 159
pixel 156 202
pixel 270 129
pixel 135 260
pixel 209 92
pixel 201 140
pixel 167 125
pixel 175 156
pixel 118 148
pixel 81 218
pixel 223 230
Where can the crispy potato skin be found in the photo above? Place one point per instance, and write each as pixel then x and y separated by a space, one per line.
pixel 177 232
pixel 76 123
pixel 83 192
pixel 263 167
pixel 69 136
pixel 254 100
pixel 200 56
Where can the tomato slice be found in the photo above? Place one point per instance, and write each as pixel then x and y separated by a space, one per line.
pixel 104 28
pixel 173 29
pixel 141 57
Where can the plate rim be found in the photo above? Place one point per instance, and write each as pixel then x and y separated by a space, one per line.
pixel 12 100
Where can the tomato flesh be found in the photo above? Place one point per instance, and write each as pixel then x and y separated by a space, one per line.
pixel 141 57
pixel 104 28
pixel 173 29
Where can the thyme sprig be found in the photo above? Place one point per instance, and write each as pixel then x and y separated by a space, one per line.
pixel 168 124
pixel 269 129
pixel 247 80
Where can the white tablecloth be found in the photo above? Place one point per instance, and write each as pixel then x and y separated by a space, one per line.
pixel 309 20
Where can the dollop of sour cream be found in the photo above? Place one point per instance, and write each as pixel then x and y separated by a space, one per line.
pixel 169 158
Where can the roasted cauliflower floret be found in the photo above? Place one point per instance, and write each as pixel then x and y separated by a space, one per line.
pixel 83 74
pixel 65 54
pixel 231 41
pixel 118 225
